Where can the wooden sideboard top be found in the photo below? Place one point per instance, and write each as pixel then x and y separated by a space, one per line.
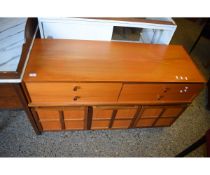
pixel 77 60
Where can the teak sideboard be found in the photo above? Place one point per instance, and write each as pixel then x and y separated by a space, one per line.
pixel 83 85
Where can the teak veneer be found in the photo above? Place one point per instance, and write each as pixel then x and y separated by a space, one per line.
pixel 79 85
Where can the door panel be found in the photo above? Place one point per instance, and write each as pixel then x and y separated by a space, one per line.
pixel 165 121
pixel 145 122
pixel 74 113
pixel 151 112
pixel 102 112
pixel 121 123
pixel 100 124
pixel 50 125
pixel 126 113
pixel 47 114
pixel 173 111
pixel 74 124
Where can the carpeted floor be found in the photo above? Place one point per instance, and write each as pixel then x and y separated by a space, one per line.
pixel 18 139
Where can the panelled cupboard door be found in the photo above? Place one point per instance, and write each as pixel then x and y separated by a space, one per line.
pixel 102 116
pixel 49 119
pixel 164 115
pixel 62 118
pixel 58 93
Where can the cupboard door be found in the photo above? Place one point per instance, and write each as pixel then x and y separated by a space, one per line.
pixel 75 118
pixel 61 118
pixel 49 118
pixel 163 115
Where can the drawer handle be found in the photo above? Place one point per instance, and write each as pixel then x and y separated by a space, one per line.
pixel 76 98
pixel 165 90
pixel 76 88
pixel 159 97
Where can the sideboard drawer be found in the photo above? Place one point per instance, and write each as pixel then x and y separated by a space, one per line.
pixel 140 92
pixel 162 92
pixel 180 92
pixel 73 92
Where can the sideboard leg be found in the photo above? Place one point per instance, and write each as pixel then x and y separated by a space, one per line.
pixel 22 97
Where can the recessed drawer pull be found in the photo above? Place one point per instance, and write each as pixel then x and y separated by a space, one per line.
pixel 76 98
pixel 76 88
pixel 159 97
pixel 166 89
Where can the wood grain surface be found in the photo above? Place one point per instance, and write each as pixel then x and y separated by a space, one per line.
pixel 77 60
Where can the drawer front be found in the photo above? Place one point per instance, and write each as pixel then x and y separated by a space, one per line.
pixel 139 92
pixel 159 92
pixel 180 92
pixel 73 92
